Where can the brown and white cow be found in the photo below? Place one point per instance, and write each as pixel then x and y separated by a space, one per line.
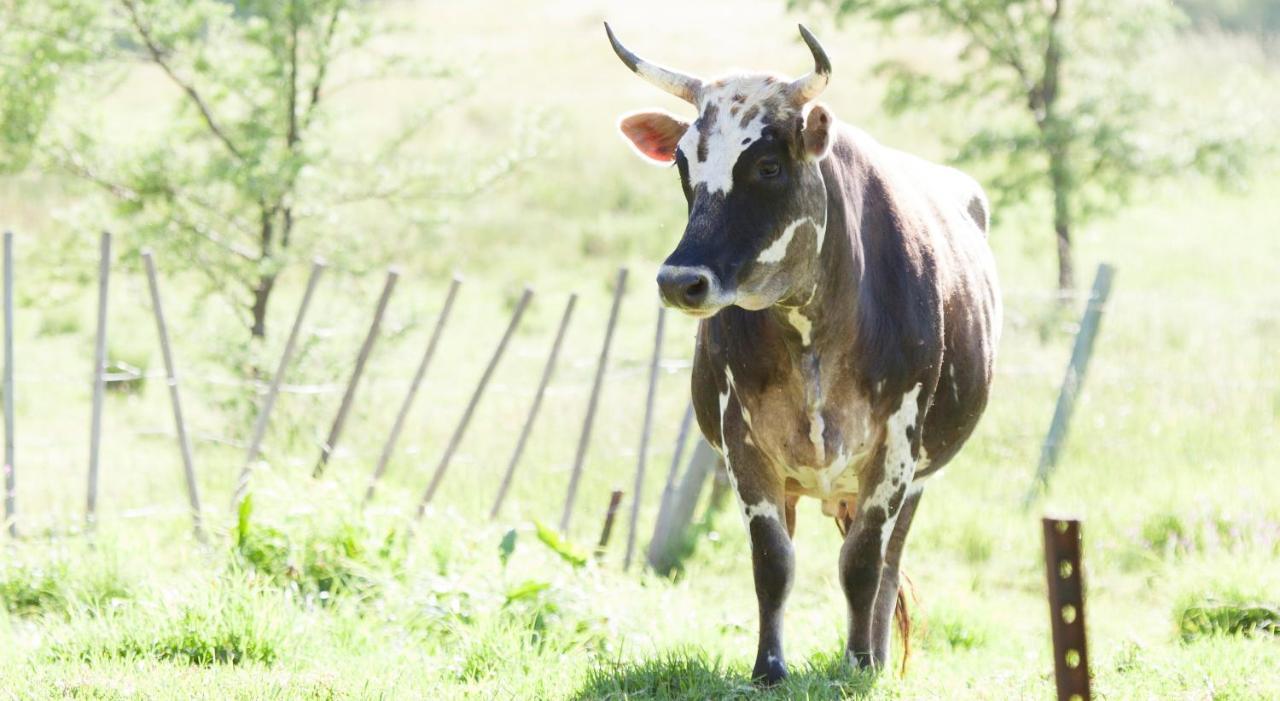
pixel 850 317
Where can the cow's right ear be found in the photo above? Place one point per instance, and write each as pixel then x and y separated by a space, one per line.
pixel 654 134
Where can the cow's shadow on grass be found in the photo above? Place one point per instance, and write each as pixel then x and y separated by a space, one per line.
pixel 692 674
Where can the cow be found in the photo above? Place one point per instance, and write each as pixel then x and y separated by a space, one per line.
pixel 849 318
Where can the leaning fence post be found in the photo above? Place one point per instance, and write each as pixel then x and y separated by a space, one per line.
pixel 607 530
pixel 407 404
pixel 1066 608
pixel 669 538
pixel 643 456
pixel 1074 379
pixel 669 486
pixel 269 402
pixel 547 371
pixel 10 471
pixel 184 442
pixel 584 439
pixel 99 379
pixel 335 431
pixel 461 429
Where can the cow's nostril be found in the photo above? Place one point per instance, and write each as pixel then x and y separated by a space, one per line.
pixel 696 291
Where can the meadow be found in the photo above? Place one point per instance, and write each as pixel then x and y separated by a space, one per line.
pixel 1170 461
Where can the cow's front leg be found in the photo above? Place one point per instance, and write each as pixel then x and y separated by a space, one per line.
pixel 763 507
pixel 882 494
pixel 772 562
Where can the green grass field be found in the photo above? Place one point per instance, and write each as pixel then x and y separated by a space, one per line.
pixel 1171 460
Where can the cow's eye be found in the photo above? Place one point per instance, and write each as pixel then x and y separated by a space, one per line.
pixel 768 168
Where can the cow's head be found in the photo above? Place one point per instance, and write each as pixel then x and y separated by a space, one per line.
pixel 749 169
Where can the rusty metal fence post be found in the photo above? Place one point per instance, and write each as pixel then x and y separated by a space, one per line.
pixel 1066 608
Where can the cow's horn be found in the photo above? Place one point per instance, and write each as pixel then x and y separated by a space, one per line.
pixel 807 87
pixel 683 86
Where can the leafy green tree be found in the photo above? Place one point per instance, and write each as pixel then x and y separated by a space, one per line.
pixel 254 166
pixel 37 39
pixel 1065 105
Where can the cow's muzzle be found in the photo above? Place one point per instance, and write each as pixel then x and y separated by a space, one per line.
pixel 694 290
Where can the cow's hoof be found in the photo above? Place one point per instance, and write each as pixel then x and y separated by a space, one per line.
pixel 860 661
pixel 769 671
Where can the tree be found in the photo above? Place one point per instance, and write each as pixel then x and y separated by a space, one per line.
pixel 246 174
pixel 1065 104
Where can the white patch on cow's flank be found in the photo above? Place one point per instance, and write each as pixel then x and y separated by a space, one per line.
pixel 899 465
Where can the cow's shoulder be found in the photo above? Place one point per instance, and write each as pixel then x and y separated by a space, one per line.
pixel 944 187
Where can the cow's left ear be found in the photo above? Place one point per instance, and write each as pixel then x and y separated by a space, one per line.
pixel 818 125
pixel 654 134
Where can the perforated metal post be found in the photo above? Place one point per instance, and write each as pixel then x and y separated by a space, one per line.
pixel 1066 608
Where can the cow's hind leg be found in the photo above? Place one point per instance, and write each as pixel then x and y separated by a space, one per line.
pixel 887 593
pixel 882 496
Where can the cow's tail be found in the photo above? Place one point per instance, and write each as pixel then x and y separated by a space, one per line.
pixel 902 616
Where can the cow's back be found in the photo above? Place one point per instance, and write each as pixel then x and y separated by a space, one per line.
pixel 950 210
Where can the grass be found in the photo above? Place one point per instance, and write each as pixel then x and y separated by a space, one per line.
pixel 1169 460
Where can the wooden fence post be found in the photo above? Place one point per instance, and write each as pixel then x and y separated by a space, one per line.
pixel 584 439
pixel 10 470
pixel 1066 608
pixel 335 431
pixel 643 456
pixel 547 371
pixel 669 486
pixel 269 402
pixel 461 429
pixel 184 442
pixel 668 542
pixel 615 499
pixel 398 425
pixel 99 380
pixel 1074 380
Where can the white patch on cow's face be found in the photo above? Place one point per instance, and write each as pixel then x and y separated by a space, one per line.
pixel 727 136
pixel 778 249
pixel 899 465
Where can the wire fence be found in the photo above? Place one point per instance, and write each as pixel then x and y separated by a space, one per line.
pixel 576 374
